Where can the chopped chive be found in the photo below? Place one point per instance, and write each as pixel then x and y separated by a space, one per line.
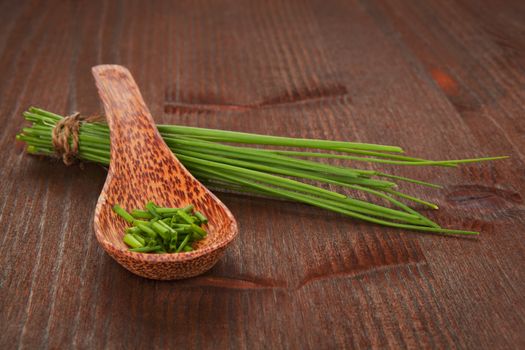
pixel 184 216
pixel 183 244
pixel 152 209
pixel 140 222
pixel 133 230
pixel 174 237
pixel 166 226
pixel 198 230
pixel 132 241
pixel 139 238
pixel 166 211
pixel 151 233
pixel 203 219
pixel 146 249
pixel 161 230
pixel 141 214
pixel 123 213
pixel 178 226
pixel 188 208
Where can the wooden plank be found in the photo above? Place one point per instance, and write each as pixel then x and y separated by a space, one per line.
pixel 470 63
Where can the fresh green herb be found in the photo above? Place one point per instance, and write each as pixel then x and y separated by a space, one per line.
pixel 139 238
pixel 148 231
pixel 203 219
pixel 133 230
pixel 123 213
pixel 183 243
pixel 173 234
pixel 132 241
pixel 148 249
pixel 276 173
pixel 152 209
pixel 141 214
pixel 184 217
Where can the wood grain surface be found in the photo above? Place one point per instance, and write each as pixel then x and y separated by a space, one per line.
pixel 442 79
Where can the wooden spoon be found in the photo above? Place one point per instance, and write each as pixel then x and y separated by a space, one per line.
pixel 144 169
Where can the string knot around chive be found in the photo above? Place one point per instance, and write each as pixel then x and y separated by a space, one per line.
pixel 66 129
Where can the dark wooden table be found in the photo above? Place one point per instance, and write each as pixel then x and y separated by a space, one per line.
pixel 442 79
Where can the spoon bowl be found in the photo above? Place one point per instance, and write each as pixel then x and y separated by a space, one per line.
pixel 144 169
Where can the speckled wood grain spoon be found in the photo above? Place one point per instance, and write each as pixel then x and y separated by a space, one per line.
pixel 143 169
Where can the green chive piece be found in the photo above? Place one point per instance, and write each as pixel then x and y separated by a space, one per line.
pixel 151 233
pixel 183 244
pixel 198 230
pixel 188 208
pixel 166 226
pixel 165 212
pixel 203 219
pixel 141 214
pixel 123 213
pixel 132 241
pixel 174 239
pixel 133 230
pixel 181 226
pixel 146 249
pixel 139 238
pixel 152 208
pixel 167 220
pixel 184 216
pixel 140 222
pixel 161 230
pixel 170 231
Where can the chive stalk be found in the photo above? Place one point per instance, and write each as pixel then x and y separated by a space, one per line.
pixel 123 213
pixel 132 241
pixel 277 173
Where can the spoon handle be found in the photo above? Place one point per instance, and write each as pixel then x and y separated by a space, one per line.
pixel 132 129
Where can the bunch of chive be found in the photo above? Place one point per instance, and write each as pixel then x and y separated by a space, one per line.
pixel 277 173
pixel 167 230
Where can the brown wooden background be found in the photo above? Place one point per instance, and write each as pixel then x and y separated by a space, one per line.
pixel 442 79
